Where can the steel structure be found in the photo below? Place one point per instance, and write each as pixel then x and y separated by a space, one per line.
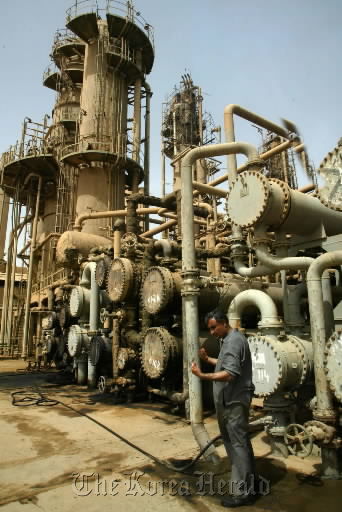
pixel 122 310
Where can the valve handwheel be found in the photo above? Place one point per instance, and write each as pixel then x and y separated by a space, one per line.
pixel 298 440
pixel 102 384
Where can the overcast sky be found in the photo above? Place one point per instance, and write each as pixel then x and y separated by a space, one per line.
pixel 279 59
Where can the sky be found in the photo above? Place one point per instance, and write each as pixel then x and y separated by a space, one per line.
pixel 278 59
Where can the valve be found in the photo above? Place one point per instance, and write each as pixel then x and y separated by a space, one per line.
pixel 103 384
pixel 298 440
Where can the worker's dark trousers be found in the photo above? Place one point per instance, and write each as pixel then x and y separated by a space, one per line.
pixel 233 424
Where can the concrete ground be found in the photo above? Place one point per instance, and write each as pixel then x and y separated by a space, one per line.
pixel 54 460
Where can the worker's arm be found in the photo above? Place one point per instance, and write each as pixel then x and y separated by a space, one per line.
pixel 204 356
pixel 221 376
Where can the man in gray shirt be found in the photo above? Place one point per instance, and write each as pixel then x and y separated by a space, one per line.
pixel 233 390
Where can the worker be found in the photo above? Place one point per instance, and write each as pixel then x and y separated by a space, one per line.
pixel 233 390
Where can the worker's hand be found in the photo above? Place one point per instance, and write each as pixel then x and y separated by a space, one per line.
pixel 195 370
pixel 203 354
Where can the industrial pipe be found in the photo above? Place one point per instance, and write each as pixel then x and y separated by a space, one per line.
pixel 229 112
pixel 324 410
pixel 328 303
pixel 266 306
pixel 30 269
pixel 147 146
pixel 159 229
pixel 288 263
pixel 88 280
pixel 108 214
pixel 190 289
pixel 115 347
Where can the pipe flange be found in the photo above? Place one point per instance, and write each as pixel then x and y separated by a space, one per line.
pixel 157 289
pixel 286 195
pixel 302 353
pixel 333 363
pixel 159 349
pixel 120 279
pixel 77 301
pixel 76 341
pixel 102 270
pixel 268 374
pixel 129 241
pixel 96 349
pixel 248 198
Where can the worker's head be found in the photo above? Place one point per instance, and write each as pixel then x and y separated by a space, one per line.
pixel 217 323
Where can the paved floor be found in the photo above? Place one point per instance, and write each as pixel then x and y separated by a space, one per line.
pixel 55 460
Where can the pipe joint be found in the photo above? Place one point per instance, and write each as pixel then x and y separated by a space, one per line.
pixel 256 164
pixel 191 282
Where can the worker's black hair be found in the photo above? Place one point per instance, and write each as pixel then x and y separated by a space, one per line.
pixel 218 315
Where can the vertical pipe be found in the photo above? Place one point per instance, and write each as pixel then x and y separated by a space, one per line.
pixel 147 149
pixel 4 207
pixel 117 243
pixel 137 112
pixel 115 347
pixel 328 303
pixel 30 270
pixel 190 272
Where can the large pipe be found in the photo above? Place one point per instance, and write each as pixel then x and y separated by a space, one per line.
pixel 229 112
pixel 73 243
pixel 202 187
pixel 108 214
pixel 287 263
pixel 266 306
pixel 190 289
pixel 328 303
pixel 30 270
pixel 159 229
pixel 147 147
pixel 325 409
pixel 88 281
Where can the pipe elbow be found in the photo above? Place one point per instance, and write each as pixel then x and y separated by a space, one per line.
pixel 321 263
pixel 266 306
pixel 296 263
pixel 88 274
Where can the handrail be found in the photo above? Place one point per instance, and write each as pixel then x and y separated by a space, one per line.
pixel 116 7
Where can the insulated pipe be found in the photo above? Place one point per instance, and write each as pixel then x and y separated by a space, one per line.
pixel 147 146
pixel 244 271
pixel 294 317
pixel 229 112
pixel 266 306
pixel 190 289
pixel 30 270
pixel 88 281
pixel 307 188
pixel 263 156
pixel 108 214
pixel 115 347
pixel 160 228
pixel 328 303
pixel 202 187
pixel 287 263
pixel 324 410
